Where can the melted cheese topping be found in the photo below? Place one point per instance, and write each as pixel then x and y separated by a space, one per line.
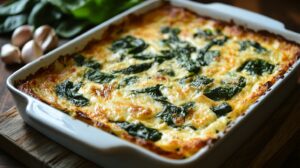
pixel 109 103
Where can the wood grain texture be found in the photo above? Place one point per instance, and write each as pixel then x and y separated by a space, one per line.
pixel 32 148
pixel 268 147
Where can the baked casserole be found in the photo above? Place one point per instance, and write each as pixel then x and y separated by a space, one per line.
pixel 168 80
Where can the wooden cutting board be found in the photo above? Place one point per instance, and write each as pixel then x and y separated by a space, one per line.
pixel 269 147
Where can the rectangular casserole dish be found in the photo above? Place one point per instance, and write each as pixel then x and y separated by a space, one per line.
pixel 83 139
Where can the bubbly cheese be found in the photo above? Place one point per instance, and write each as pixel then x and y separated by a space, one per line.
pixel 110 103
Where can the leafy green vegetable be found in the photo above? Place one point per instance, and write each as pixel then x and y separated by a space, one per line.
pixel 173 115
pixel 201 81
pixel 128 81
pixel 70 27
pixel 140 130
pixel 10 23
pixel 133 69
pixel 69 91
pixel 168 72
pixel 206 58
pixel 169 30
pixel 160 58
pixel 257 67
pixel 221 109
pixel 14 7
pixel 94 11
pixel 247 43
pixel 154 92
pixel 208 34
pixel 183 57
pixel 82 61
pixel 129 43
pixel 227 91
pixel 43 13
pixel 98 77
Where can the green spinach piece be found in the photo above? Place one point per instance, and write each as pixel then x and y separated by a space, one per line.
pixel 201 81
pixel 227 91
pixel 133 69
pixel 14 7
pixel 98 77
pixel 69 90
pixel 168 72
pixel 154 92
pixel 44 13
pixel 140 130
pixel 169 30
pixel 10 23
pixel 206 33
pixel 183 57
pixel 128 81
pixel 70 27
pixel 257 67
pixel 82 61
pixel 160 58
pixel 173 115
pixel 129 43
pixel 206 58
pixel 257 46
pixel 221 109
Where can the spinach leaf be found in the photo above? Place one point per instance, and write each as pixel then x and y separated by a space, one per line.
pixel 129 43
pixel 257 46
pixel 201 81
pixel 10 23
pixel 154 92
pixel 98 77
pixel 133 69
pixel 173 115
pixel 168 72
pixel 82 61
pixel 257 67
pixel 227 91
pixel 140 130
pixel 170 31
pixel 14 7
pixel 160 58
pixel 70 27
pixel 94 11
pixel 222 109
pixel 206 33
pixel 44 13
pixel 183 57
pixel 206 58
pixel 128 81
pixel 69 91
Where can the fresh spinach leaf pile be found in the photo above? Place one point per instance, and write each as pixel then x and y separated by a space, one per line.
pixel 68 17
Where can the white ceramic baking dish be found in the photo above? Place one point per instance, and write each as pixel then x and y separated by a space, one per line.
pixel 110 151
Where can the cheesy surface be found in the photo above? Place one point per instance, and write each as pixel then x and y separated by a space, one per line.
pixel 168 80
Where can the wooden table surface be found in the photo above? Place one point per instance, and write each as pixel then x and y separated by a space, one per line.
pixel 286 11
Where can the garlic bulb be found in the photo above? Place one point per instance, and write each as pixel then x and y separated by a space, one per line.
pixel 22 35
pixel 10 54
pixel 46 37
pixel 31 51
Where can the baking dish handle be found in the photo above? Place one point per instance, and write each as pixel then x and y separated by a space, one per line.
pixel 56 125
pixel 247 15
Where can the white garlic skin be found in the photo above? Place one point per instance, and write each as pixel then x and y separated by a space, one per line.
pixel 22 35
pixel 46 37
pixel 10 54
pixel 31 51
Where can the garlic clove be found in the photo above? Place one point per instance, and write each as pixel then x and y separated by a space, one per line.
pixel 46 37
pixel 31 51
pixel 22 35
pixel 10 54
